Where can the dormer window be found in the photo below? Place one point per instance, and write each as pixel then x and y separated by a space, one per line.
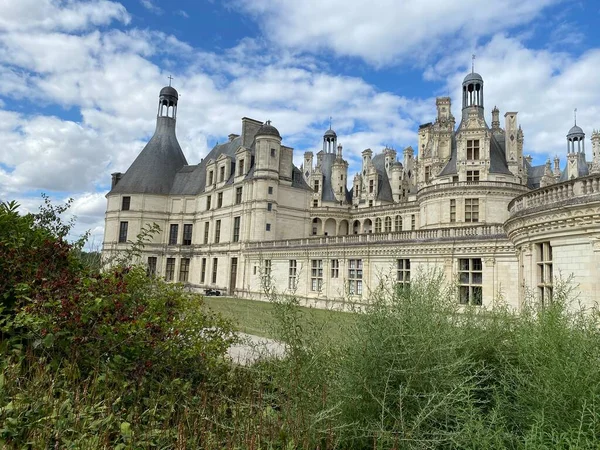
pixel 241 167
pixel 210 177
pixel 222 173
pixel 371 186
pixel 316 184
pixel 473 149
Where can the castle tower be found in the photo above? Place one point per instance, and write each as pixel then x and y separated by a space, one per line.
pixel 472 94
pixel 495 119
pixel 329 141
pixel 595 152
pixel 575 151
pixel 513 143
pixel 268 146
pixel 339 176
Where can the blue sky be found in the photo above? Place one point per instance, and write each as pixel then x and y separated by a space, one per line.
pixel 80 78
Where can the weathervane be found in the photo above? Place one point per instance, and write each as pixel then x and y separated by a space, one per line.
pixel 170 79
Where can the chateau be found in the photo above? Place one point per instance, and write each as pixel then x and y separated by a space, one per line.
pixel 466 202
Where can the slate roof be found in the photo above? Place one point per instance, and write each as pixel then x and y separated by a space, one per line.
pixel 384 190
pixel 534 174
pixel 154 170
pixel 582 166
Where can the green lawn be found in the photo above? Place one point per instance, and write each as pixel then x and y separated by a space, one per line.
pixel 254 317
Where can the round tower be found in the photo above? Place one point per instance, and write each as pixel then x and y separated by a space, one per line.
pixel 472 91
pixel 329 141
pixel 167 102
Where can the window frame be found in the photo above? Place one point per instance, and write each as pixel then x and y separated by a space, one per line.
pixel 123 229
pixel 470 281
pixel 355 277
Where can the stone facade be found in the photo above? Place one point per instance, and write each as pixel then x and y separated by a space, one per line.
pixel 467 203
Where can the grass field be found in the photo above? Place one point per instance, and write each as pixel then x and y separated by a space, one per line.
pixel 255 317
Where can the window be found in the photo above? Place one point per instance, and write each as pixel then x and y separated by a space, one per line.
pixel 187 234
pixel 123 232
pixel 184 269
pixel 236 229
pixel 208 202
pixel 413 222
pixel 471 210
pixel 403 272
pixel 378 225
pixel 427 174
pixel 388 224
pixel 215 270
pixel 335 268
pixel 210 177
pixel 170 272
pixel 315 203
pixel 222 173
pixel 219 200
pixel 355 274
pixel 472 175
pixel 241 167
pixel 238 195
pixel 473 149
pixel 545 275
pixel 452 210
pixel 203 272
pixel 206 231
pixel 371 186
pixel 268 227
pixel 370 203
pixel 398 223
pixel 269 206
pixel 173 232
pixel 292 275
pixel 270 190
pixel 267 265
pixel 316 186
pixel 151 268
pixel 126 203
pixel 316 275
pixel 218 232
pixel 272 152
pixel 470 278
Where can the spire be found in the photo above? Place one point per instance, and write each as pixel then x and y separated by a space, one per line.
pixel 473 63
pixel 575 116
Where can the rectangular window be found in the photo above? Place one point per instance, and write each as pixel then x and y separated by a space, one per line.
pixel 315 203
pixel 238 195
pixel 241 167
pixel 184 269
pixel 123 232
pixel 126 203
pixel 545 275
pixel 472 175
pixel 267 267
pixel 170 271
pixel 222 173
pixel 292 275
pixel 206 231
pixel 398 223
pixel 335 268
pixel 452 210
pixel 218 232
pixel 371 186
pixel 187 234
pixel 370 203
pixel 316 186
pixel 269 206
pixel 219 200
pixel 173 232
pixel 470 279
pixel 403 272
pixel 151 268
pixel 273 152
pixel 210 177
pixel 268 227
pixel 316 275
pixel 427 174
pixel 236 229
pixel 471 210
pixel 270 190
pixel 413 222
pixel 473 149
pixel 215 270
pixel 203 272
pixel 355 274
pixel 208 199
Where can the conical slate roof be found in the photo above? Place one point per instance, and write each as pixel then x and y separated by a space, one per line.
pixel 153 171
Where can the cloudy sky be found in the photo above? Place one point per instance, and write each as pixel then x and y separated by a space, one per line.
pixel 79 79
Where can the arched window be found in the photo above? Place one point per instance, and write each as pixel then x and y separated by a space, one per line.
pixel 388 224
pixel 398 224
pixel 378 225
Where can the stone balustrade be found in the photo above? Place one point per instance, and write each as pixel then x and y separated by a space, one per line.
pixel 408 236
pixel 556 193
pixel 428 189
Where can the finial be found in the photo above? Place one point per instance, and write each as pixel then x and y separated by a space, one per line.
pixel 473 63
pixel 268 122
pixel 170 79
pixel 330 122
pixel 575 115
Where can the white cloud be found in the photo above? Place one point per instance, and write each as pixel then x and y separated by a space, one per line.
pixel 67 15
pixel 381 32
pixel 150 6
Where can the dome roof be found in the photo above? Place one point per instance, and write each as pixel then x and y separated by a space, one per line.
pixel 268 130
pixel 473 76
pixel 576 131
pixel 330 132
pixel 168 91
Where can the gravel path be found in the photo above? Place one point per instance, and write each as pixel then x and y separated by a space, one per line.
pixel 253 348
